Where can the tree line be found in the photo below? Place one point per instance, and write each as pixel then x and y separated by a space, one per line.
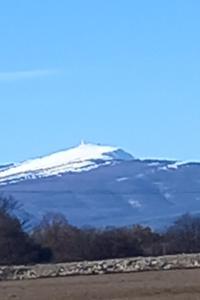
pixel 55 240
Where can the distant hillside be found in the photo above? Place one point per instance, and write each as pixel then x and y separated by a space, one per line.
pixel 102 185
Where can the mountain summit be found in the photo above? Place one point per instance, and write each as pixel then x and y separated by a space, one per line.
pixel 84 157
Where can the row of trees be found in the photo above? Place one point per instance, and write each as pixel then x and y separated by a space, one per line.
pixel 55 240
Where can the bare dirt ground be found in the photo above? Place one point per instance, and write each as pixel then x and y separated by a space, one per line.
pixel 170 285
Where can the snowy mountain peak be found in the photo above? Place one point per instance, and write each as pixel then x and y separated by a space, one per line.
pixel 84 157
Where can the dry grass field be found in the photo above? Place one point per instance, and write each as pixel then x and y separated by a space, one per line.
pixel 164 285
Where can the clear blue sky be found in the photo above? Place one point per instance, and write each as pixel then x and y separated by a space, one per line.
pixel 119 72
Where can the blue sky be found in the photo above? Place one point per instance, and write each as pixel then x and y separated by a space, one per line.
pixel 119 72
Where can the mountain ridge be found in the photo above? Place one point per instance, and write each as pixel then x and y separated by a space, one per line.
pixel 116 189
pixel 84 157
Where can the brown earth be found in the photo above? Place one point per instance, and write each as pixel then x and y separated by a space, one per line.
pixel 170 285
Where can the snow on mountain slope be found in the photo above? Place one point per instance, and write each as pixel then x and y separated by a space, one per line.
pixel 124 191
pixel 82 158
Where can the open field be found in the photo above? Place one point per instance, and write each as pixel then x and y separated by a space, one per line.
pixel 180 284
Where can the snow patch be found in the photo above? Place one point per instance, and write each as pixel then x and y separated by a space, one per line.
pixel 135 203
pixel 120 179
pixel 175 165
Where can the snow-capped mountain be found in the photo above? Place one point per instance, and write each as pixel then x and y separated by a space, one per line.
pixel 102 185
pixel 85 157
